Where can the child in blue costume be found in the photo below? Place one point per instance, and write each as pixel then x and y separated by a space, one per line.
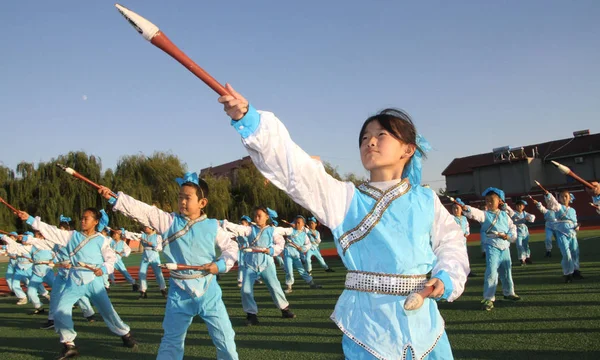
pixel 498 231
pixel 390 232
pixel 152 244
pixel 189 238
pixel 23 268
pixel 595 194
pixel 297 243
pixel 12 262
pixel 264 243
pixel 315 239
pixel 566 236
pixel 549 218
pixel 62 261
pixel 91 257
pixel 42 255
pixel 242 243
pixel 520 218
pixel 462 221
pixel 122 250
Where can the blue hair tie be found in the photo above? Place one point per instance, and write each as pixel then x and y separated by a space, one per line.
pixel 415 166
pixel 63 218
pixel 188 177
pixel 572 198
pixel 103 222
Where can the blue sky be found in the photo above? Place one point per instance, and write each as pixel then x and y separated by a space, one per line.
pixel 474 75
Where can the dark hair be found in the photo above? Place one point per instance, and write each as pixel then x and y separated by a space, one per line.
pixel 398 123
pixel 263 209
pixel 95 213
pixel 201 189
pixel 65 225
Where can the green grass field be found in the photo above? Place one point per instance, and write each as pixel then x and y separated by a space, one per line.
pixel 553 321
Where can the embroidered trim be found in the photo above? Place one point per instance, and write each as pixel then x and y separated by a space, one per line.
pixel 382 283
pixel 370 191
pixel 404 350
pixel 372 218
pixel 183 231
pixel 176 274
pixel 83 243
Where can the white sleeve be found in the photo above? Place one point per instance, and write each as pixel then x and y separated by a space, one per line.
pixel 109 256
pixel 468 229
pixel 512 231
pixel 126 249
pixel 278 244
pixel 551 203
pixel 447 241
pixel 41 244
pixel 11 245
pixel 283 231
pixel 131 235
pixel 292 170
pixel 238 230
pixel 474 214
pixel 147 215
pixel 228 247
pixel 541 208
pixel 307 244
pixel 529 217
pixel 317 237
pixel 509 210
pixel 52 233
pixel 159 242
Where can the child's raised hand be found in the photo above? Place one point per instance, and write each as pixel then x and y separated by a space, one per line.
pixel 235 105
pixel 23 215
pixel 104 192
pixel 596 190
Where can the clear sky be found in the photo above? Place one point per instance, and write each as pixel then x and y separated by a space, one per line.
pixel 474 75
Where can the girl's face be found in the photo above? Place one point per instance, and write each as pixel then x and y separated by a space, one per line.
pixel 245 223
pixel 492 202
pixel 312 225
pixel 260 218
pixel 379 149
pixel 520 207
pixel 564 198
pixel 88 222
pixel 456 210
pixel 299 224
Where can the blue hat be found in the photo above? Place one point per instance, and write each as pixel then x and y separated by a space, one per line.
pixel 273 215
pixel 28 233
pixel 63 218
pixel 312 219
pixel 459 201
pixel 494 190
pixel 299 217
pixel 523 202
pixel 246 217
pixel 572 197
pixel 103 220
pixel 13 233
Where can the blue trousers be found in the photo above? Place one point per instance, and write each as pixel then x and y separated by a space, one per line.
pixel 548 240
pixel 57 287
pixel 36 282
pixel 95 291
pixel 497 265
pixel 523 251
pixel 157 272
pixel 291 263
pixel 181 310
pixel 123 270
pixel 10 271
pixel 21 276
pixel 240 265
pixel 317 254
pixel 569 249
pixel 269 276
pixel 441 351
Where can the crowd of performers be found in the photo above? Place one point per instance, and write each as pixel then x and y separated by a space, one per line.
pixel 394 237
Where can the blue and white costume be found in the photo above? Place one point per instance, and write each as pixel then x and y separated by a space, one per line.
pixel 260 264
pixel 566 235
pixel 297 244
pixel 23 268
pixel 315 239
pixel 242 243
pixel 498 264
pixel 12 262
pixel 122 250
pixel 549 218
pixel 520 219
pixel 191 293
pixel 152 244
pixel 42 256
pixel 83 251
pixel 596 201
pixel 389 236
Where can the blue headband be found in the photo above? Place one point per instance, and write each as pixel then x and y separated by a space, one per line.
pixel 103 220
pixel 299 217
pixel 572 197
pixel 273 215
pixel 247 218
pixel 413 170
pixel 313 219
pixel 63 218
pixel 188 177
pixel 459 201
pixel 523 202
pixel 494 190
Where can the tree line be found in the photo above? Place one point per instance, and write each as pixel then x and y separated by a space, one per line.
pixel 47 191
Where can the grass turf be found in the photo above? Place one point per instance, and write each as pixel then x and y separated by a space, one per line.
pixel 553 321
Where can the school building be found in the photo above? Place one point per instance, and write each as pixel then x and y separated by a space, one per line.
pixel 514 169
